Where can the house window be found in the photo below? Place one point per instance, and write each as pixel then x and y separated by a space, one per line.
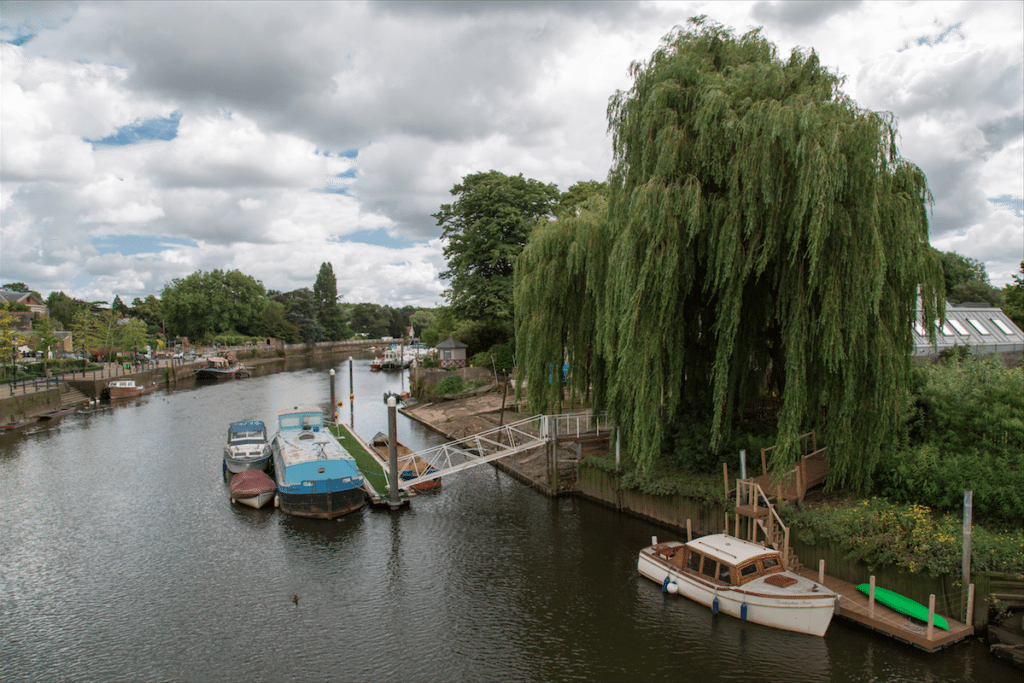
pixel 944 329
pixel 978 326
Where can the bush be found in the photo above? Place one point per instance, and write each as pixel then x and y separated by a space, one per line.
pixel 452 384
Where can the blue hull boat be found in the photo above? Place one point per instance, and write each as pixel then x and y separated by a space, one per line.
pixel 316 476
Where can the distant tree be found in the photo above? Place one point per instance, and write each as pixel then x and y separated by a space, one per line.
pixel 329 314
pixel 966 280
pixel 150 311
pixel 119 306
pixel 1013 298
pixel 762 233
pixel 63 308
pixel 274 323
pixel 485 228
pixel 372 320
pixel 572 201
pixel 210 303
pixel 10 339
pixel 16 287
pixel 301 311
pixel 94 331
pixel 421 320
pixel 45 339
pixel 131 336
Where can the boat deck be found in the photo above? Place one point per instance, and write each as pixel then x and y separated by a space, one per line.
pixel 854 606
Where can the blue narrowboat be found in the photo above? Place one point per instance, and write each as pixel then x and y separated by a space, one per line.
pixel 316 476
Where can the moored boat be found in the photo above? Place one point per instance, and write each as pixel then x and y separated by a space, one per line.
pixel 315 475
pixel 413 466
pixel 127 388
pixel 60 412
pixel 253 488
pixel 17 424
pixel 220 367
pixel 742 579
pixel 247 447
pixel 903 605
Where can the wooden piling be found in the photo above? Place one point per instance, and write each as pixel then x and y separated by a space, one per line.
pixel 689 531
pixel 931 616
pixel 821 571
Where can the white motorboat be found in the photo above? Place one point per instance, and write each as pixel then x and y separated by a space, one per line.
pixel 742 579
pixel 247 447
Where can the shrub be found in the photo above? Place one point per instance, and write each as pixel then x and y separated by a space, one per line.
pixel 452 384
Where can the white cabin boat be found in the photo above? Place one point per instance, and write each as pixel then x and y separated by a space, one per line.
pixel 742 579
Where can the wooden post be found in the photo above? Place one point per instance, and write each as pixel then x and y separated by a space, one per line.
pixel 965 561
pixel 821 572
pixel 737 534
pixel 726 532
pixel 764 463
pixel 871 598
pixel 785 553
pixel 931 615
pixel 751 531
pixel 725 474
pixel 689 531
pixel 970 606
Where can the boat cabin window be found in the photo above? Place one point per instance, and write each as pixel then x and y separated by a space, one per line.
pixel 710 568
pixel 693 564
pixel 311 422
pixel 723 573
pixel 770 563
pixel 749 570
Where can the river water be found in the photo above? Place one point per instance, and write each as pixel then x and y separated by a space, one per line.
pixel 122 558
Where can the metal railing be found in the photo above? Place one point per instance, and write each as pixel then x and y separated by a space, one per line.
pixel 500 442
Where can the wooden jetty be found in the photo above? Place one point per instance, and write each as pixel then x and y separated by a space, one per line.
pixel 857 607
pixel 754 501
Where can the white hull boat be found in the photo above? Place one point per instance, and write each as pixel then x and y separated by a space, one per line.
pixel 742 579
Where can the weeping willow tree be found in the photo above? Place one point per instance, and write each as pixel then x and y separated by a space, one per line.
pixel 762 235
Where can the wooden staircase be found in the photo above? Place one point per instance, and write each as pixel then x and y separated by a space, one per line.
pixel 752 503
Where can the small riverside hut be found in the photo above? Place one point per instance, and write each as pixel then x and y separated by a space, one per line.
pixel 451 353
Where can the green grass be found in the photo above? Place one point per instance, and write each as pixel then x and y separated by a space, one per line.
pixel 368 465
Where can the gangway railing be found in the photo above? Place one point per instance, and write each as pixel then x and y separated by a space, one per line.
pixel 500 442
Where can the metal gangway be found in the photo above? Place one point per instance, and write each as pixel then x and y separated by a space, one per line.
pixel 500 442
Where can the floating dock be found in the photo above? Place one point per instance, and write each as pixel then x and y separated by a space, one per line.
pixel 856 606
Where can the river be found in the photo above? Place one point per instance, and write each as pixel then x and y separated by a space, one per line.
pixel 122 559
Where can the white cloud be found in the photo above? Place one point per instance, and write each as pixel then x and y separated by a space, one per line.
pixel 387 106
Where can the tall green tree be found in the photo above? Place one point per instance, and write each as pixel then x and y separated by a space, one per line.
pixel 208 303
pixel 150 311
pixel 329 313
pixel 301 311
pixel 45 339
pixel 62 308
pixel 1013 299
pixel 965 279
pixel 763 234
pixel 485 229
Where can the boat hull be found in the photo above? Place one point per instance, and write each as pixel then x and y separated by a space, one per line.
pixel 326 505
pixel 801 614
pixel 257 501
pixel 236 465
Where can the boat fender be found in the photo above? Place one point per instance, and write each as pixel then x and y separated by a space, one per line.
pixel 673 587
pixel 232 501
pixel 743 611
pixel 277 502
pixel 664 584
pixel 714 605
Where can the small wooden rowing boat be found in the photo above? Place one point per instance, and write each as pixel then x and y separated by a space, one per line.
pixel 253 488
pixel 412 466
pixel 56 413
pixel 18 424
pixel 903 605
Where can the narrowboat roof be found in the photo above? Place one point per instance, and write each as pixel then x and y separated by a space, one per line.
pixel 300 409
pixel 248 426
pixel 729 549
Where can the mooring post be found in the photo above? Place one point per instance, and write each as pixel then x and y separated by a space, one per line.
pixel 395 501
pixel 689 531
pixel 743 465
pixel 871 597
pixel 965 563
pixel 931 615
pixel 725 475
pixel 618 447
pixel 821 572
pixel 334 403
pixel 351 396
pixel 970 606
pixel 554 456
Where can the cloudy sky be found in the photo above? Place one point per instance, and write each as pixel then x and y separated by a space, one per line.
pixel 142 142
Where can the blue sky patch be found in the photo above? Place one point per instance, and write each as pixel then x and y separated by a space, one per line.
pixel 378 237
pixel 22 39
pixel 1015 204
pixel 129 245
pixel 143 130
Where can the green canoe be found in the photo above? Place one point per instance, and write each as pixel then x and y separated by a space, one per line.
pixel 902 604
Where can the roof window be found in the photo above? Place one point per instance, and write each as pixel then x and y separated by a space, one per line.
pixel 978 326
pixel 959 328
pixel 1002 326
